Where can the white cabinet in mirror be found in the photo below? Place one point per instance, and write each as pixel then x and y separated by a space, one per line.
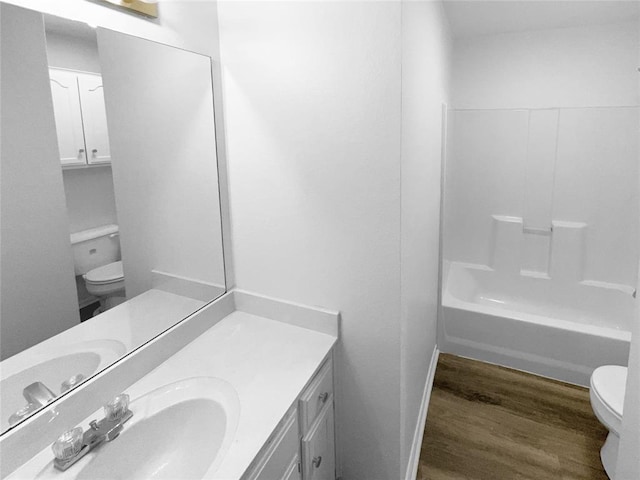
pixel 98 261
pixel 81 118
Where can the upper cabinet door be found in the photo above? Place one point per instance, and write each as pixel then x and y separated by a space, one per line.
pixel 94 118
pixel 66 108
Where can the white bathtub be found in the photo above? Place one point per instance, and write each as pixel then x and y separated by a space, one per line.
pixel 561 331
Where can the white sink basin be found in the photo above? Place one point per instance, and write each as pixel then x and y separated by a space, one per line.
pixel 85 358
pixel 181 430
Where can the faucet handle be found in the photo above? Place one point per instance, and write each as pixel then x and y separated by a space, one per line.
pixel 68 445
pixel 72 382
pixel 117 408
pixel 22 413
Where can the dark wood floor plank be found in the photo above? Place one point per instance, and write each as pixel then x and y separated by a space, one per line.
pixel 487 422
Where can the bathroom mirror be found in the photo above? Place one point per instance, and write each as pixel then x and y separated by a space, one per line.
pixel 111 227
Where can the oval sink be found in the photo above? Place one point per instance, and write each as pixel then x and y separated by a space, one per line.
pixel 181 430
pixel 85 358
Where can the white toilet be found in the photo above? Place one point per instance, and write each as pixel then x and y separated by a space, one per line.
pixel 608 384
pixel 106 283
pixel 96 256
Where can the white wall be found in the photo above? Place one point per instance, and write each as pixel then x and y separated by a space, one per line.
pixel 568 67
pixel 38 289
pixel 89 197
pixel 72 52
pixel 312 99
pixel 164 161
pixel 425 78
pixel 628 465
pixel 313 102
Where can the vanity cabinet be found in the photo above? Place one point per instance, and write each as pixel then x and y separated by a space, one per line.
pixel 281 459
pixel 318 449
pixel 303 445
pixel 80 116
pixel 317 427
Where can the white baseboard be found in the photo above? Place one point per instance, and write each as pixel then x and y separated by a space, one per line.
pixel 414 456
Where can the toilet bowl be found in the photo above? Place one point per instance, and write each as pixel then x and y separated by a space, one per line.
pixel 96 258
pixel 106 283
pixel 608 384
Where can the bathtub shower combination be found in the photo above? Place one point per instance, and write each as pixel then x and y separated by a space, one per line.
pixel 540 239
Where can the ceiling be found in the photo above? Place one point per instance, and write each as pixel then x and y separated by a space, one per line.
pixel 485 17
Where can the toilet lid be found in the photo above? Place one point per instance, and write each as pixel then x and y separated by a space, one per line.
pixel 610 382
pixel 110 272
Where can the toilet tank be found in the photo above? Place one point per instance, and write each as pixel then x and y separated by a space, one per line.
pixel 95 247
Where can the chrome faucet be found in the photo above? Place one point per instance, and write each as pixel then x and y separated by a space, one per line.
pixel 38 394
pixel 74 444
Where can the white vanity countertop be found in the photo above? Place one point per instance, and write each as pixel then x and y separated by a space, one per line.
pixel 128 325
pixel 109 336
pixel 266 361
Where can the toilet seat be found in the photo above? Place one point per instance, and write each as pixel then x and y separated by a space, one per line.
pixel 110 273
pixel 608 385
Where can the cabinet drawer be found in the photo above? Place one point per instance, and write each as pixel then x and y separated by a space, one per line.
pixel 316 396
pixel 318 450
pixel 281 453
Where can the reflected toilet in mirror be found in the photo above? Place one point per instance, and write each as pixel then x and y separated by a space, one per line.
pixel 96 258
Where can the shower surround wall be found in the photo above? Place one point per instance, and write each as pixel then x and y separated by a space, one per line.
pixel 541 195
pixel 542 153
pixel 546 193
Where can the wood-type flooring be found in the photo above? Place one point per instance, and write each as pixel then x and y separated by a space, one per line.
pixel 487 422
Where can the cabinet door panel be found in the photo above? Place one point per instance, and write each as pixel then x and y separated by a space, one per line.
pixel 276 462
pixel 66 109
pixel 94 117
pixel 318 450
pixel 316 396
pixel 293 472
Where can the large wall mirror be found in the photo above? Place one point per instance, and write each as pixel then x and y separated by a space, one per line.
pixel 110 209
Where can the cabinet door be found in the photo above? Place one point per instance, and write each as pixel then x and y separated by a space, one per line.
pixel 94 118
pixel 66 109
pixel 316 396
pixel 318 449
pixel 293 472
pixel 281 453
